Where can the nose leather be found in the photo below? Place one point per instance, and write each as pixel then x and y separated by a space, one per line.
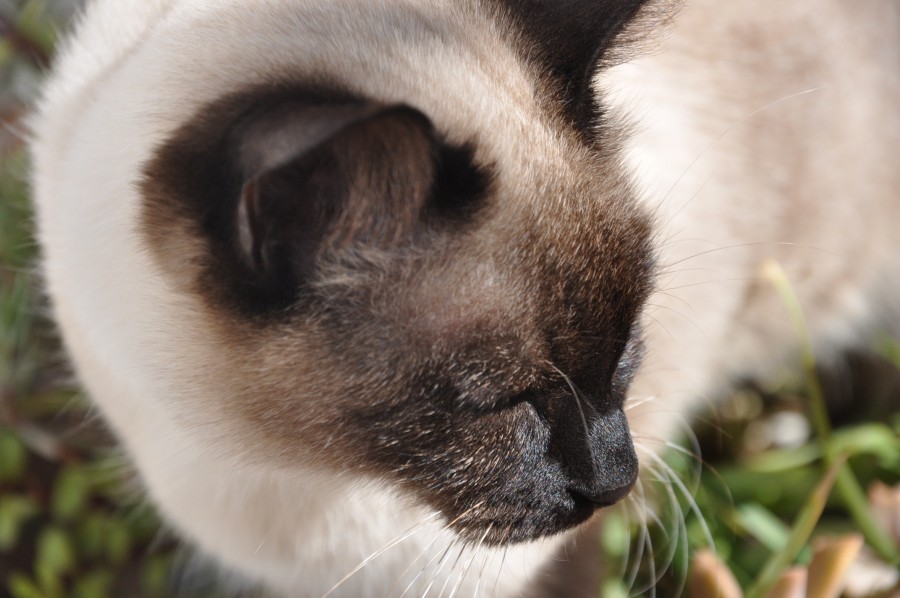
pixel 595 449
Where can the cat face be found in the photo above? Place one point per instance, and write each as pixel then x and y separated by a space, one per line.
pixel 386 299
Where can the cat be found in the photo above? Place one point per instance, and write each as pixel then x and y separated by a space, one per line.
pixel 386 297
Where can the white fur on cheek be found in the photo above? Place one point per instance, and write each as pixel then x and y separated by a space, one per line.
pixel 125 82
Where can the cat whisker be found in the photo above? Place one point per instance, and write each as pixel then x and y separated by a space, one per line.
pixel 660 324
pixel 666 477
pixel 665 293
pixel 713 281
pixel 453 542
pixel 665 268
pixel 484 564
pixel 500 569
pixel 394 542
pixel 441 566
pixel 677 313
pixel 424 567
pixel 646 516
pixel 629 562
pixel 694 454
pixel 674 537
pixel 633 403
pixel 712 144
pixel 428 546
pixel 682 539
pixel 675 482
pixel 471 560
pixel 577 395
pixel 266 537
pixel 16 129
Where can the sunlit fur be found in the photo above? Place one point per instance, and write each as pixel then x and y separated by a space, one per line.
pixel 748 130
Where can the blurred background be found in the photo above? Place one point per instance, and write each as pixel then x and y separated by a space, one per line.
pixel 73 523
pixel 71 520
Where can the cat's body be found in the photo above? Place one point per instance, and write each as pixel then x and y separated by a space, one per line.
pixel 749 130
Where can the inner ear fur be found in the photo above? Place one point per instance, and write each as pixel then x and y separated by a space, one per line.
pixel 244 202
pixel 364 180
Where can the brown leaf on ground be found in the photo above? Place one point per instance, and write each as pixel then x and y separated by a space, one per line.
pixel 884 502
pixel 831 564
pixel 792 584
pixel 711 578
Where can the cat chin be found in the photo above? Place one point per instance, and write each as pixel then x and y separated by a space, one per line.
pixel 318 531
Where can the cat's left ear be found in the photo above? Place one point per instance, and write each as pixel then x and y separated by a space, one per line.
pixel 328 180
pixel 293 184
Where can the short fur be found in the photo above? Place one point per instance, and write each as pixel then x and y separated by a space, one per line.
pixel 377 277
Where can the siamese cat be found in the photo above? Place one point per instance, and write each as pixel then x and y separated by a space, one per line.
pixel 386 297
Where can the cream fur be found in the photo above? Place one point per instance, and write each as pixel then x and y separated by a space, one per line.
pixel 717 115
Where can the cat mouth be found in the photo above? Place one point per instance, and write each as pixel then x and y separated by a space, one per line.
pixel 495 528
pixel 560 479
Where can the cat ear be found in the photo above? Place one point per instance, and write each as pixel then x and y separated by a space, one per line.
pixel 260 189
pixel 570 37
pixel 329 180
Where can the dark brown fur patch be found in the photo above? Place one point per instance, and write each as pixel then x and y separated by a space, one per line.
pixel 464 343
pixel 372 182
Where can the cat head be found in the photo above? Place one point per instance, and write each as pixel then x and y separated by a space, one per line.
pixel 390 290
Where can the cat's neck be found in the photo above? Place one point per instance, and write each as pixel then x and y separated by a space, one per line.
pixel 295 529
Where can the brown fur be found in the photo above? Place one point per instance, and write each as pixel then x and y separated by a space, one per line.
pixel 398 338
pixel 412 252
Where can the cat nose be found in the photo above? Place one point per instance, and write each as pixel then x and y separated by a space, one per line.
pixel 597 454
pixel 601 497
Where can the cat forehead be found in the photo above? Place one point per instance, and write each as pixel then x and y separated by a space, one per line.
pixel 458 63
pixel 441 59
pixel 464 64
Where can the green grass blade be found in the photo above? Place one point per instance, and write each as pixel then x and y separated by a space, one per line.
pixel 803 528
pixel 848 487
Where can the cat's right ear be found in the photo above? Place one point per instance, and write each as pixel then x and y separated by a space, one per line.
pixel 328 180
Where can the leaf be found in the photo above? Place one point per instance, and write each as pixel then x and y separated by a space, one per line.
pixel 155 576
pixel 711 578
pixel 13 457
pixel 90 535
pixel 49 581
pixel 792 584
pixel 70 493
pixel 828 571
pixel 15 511
pixel 875 439
pixel 760 523
pixel 784 459
pixel 96 584
pixel 118 542
pixel 803 527
pixel 55 551
pixel 22 587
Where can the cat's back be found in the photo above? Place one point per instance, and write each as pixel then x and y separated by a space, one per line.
pixel 765 131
